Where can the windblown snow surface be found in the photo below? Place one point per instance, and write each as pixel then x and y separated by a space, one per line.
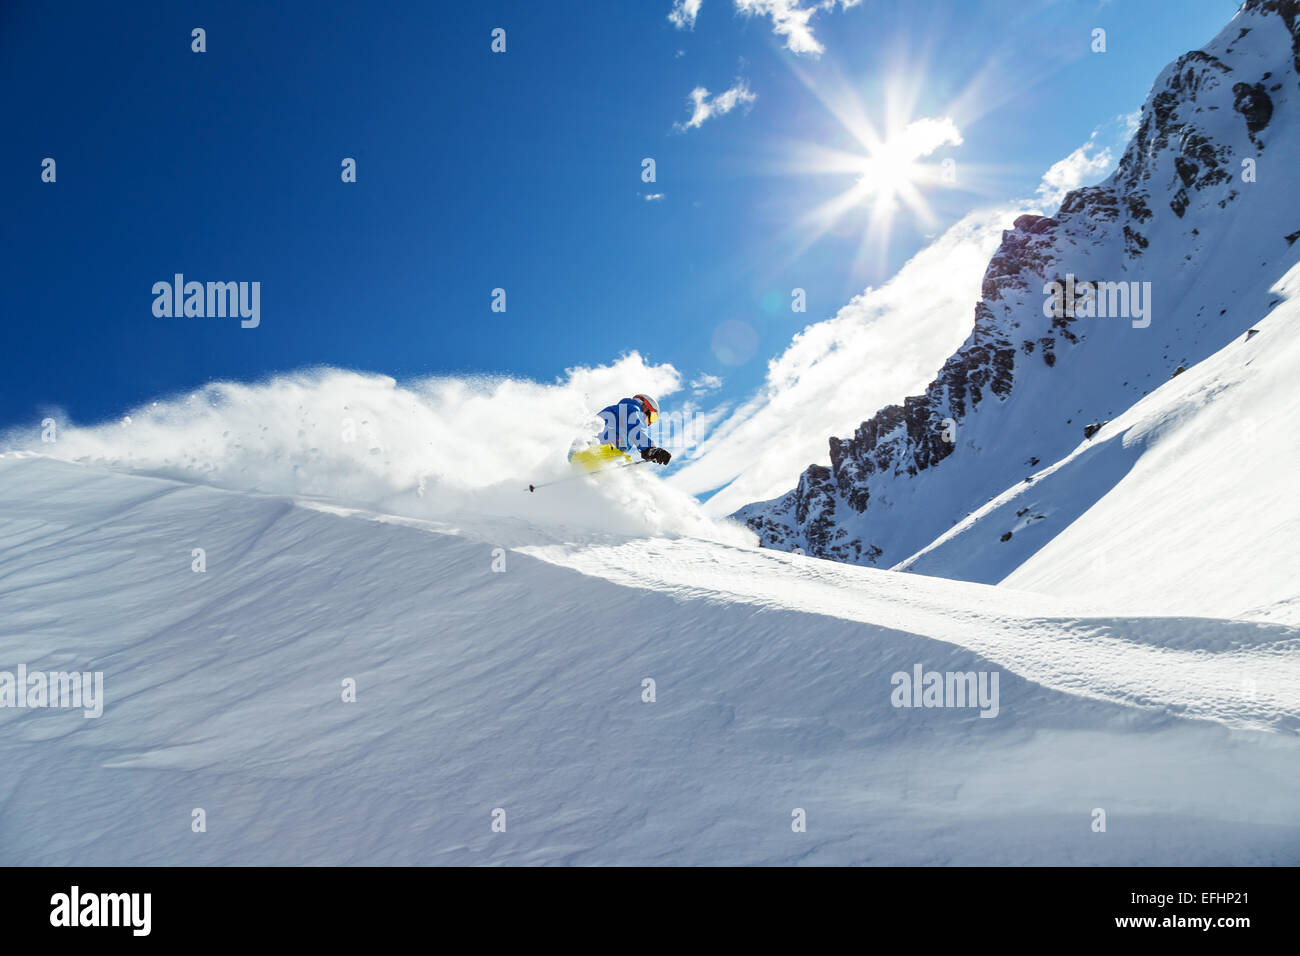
pixel 500 642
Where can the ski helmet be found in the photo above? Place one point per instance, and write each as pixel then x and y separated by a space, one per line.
pixel 649 406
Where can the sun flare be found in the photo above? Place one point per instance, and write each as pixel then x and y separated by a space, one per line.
pixel 889 173
pixel 887 169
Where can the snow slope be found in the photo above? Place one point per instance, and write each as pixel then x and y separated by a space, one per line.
pixel 1183 504
pixel 521 689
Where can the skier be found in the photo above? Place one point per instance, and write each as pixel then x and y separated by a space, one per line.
pixel 626 427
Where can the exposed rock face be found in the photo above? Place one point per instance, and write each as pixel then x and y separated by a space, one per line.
pixel 1253 103
pixel 1008 395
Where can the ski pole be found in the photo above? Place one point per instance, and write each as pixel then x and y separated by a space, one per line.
pixel 626 464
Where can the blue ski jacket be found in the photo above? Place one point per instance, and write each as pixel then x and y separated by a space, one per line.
pixel 625 426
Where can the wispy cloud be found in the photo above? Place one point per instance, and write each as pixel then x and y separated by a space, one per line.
pixel 654 197
pixel 792 20
pixel 706 383
pixel 704 107
pixel 683 14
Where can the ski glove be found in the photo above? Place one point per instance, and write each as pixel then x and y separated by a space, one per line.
pixel 658 455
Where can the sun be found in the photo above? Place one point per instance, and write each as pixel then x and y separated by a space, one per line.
pixel 888 177
pixel 890 174
pixel 887 169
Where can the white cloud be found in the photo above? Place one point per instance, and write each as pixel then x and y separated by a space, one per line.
pixel 1087 164
pixel 706 383
pixel 704 107
pixel 683 14
pixel 1091 162
pixel 922 137
pixel 654 197
pixel 791 19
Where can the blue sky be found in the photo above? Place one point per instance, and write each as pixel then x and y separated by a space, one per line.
pixel 519 170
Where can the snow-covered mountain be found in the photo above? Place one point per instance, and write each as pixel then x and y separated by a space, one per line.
pixel 502 673
pixel 1199 223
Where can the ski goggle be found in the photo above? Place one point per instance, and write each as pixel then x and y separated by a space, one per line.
pixel 651 413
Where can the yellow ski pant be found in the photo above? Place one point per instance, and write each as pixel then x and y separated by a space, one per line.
pixel 597 457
